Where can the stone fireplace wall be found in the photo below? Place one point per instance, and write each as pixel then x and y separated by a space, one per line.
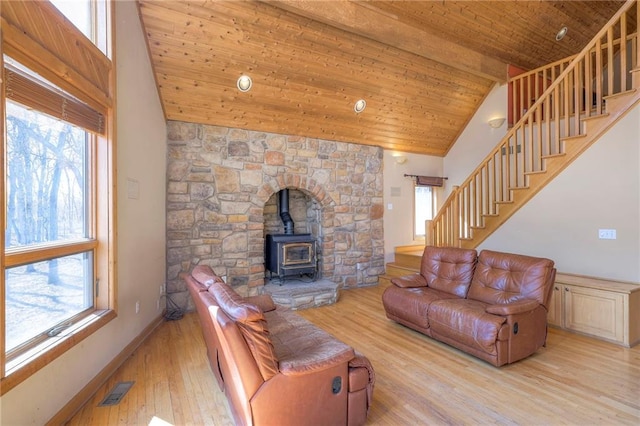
pixel 220 188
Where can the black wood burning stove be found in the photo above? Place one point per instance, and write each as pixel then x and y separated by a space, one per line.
pixel 290 254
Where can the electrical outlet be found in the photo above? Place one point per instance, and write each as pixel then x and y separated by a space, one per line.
pixel 162 289
pixel 137 307
pixel 607 234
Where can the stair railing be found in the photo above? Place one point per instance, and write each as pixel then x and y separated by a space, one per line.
pixel 526 88
pixel 601 69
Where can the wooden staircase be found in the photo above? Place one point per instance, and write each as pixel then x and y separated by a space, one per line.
pixel 590 94
pixel 407 261
pixel 577 100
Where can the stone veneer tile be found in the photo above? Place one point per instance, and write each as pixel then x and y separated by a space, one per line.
pixel 220 187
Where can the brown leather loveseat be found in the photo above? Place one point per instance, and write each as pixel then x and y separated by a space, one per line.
pixel 492 305
pixel 275 367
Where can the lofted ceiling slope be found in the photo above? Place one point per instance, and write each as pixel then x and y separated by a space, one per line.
pixel 423 67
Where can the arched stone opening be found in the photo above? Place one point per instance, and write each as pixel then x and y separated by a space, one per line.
pixel 312 210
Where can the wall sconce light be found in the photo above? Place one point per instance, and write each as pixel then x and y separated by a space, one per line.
pixel 400 159
pixel 244 83
pixel 494 123
pixel 359 106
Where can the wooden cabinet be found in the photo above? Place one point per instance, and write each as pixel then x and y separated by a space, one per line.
pixel 601 308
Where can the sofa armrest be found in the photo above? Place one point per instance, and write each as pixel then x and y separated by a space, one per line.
pixel 311 361
pixel 512 308
pixel 409 281
pixel 262 301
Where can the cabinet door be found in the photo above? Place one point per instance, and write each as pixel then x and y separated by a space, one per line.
pixel 554 316
pixel 596 312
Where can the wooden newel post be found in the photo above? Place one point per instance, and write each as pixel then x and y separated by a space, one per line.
pixel 428 232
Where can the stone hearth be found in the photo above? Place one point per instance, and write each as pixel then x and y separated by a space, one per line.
pixel 300 294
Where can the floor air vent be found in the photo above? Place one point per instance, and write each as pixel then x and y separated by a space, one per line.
pixel 115 396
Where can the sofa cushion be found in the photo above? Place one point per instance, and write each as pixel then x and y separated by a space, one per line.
pixel 505 277
pixel 411 304
pixel 466 321
pixel 301 346
pixel 252 324
pixel 448 269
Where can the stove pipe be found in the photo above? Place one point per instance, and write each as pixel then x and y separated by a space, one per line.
pixel 284 212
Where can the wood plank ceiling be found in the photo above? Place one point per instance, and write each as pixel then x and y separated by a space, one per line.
pixel 423 67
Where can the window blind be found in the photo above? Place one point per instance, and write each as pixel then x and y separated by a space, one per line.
pixel 428 180
pixel 32 93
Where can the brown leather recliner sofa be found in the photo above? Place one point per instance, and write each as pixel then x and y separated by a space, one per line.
pixel 492 305
pixel 275 367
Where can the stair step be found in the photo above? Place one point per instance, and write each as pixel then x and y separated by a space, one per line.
pixel 535 172
pixel 408 260
pixel 384 280
pixel 619 95
pixel 558 155
pixel 595 116
pixel 394 270
pixel 572 138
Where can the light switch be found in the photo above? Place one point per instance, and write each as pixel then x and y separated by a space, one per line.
pixel 389 206
pixel 133 189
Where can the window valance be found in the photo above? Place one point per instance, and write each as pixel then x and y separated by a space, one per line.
pixel 428 180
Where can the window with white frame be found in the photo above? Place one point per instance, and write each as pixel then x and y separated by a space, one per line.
pixel 423 201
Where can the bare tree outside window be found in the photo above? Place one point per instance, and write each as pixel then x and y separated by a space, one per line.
pixel 46 191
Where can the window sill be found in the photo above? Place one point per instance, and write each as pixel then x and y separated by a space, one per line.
pixel 25 365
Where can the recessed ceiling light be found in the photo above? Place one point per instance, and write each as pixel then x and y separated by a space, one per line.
pixel 563 32
pixel 359 106
pixel 244 83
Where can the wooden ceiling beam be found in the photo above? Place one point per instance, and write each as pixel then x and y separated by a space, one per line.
pixel 369 22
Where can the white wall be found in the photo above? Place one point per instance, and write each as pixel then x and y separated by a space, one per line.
pixel 398 221
pixel 471 147
pixel 477 139
pixel 601 189
pixel 141 237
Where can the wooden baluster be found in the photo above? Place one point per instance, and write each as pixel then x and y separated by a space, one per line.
pixel 599 76
pixel 514 102
pixel 467 211
pixel 487 195
pixel 553 113
pixel 500 177
pixel 610 67
pixel 519 139
pixel 636 50
pixel 456 219
pixel 527 147
pixel 474 203
pixel 522 102
pixel 623 53
pixel 577 97
pixel 588 69
pixel 567 97
pixel 556 118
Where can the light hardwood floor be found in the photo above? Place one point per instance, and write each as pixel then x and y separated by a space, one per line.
pixel 574 380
